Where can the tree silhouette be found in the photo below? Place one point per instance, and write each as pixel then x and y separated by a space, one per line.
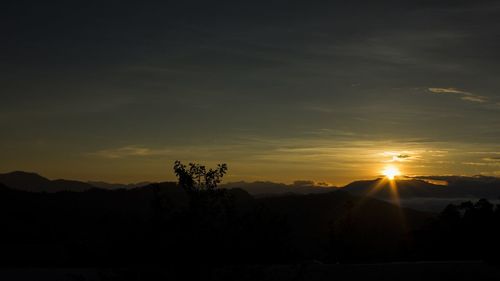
pixel 451 214
pixel 197 178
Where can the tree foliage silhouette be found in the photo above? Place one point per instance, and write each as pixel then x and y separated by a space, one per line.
pixel 466 230
pixel 214 228
pixel 197 178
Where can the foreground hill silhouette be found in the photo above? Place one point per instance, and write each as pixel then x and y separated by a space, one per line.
pixel 101 226
pixel 188 231
pixel 337 226
pixel 174 222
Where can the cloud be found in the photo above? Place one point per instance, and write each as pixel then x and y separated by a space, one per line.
pixel 303 183
pixel 401 157
pixel 128 151
pixel 466 96
pixel 474 98
pixel 492 159
pixel 489 163
pixel 448 91
pixel 310 183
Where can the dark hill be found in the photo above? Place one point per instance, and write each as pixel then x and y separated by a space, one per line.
pixel 384 189
pixel 371 226
pixel 35 183
pixel 474 187
pixel 69 185
pixel 3 188
pixel 421 194
pixel 455 187
pixel 25 181
pixel 98 225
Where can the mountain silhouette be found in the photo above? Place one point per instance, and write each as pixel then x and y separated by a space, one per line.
pixel 408 188
pixel 412 188
pixel 422 194
pixel 111 186
pixel 3 188
pixel 376 226
pixel 420 188
pixel 268 188
pixel 98 217
pixel 36 183
pixel 475 186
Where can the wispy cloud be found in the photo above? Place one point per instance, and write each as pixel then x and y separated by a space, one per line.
pixel 464 95
pixel 474 98
pixel 323 158
pixel 129 151
pixel 481 163
pixel 492 159
pixel 448 91
pixel 405 156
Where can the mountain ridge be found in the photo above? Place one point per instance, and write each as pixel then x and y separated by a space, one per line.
pixel 407 188
pixel 33 182
pixel 410 188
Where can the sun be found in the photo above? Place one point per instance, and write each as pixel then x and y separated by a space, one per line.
pixel 391 172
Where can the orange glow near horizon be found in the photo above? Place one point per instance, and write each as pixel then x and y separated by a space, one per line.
pixel 391 172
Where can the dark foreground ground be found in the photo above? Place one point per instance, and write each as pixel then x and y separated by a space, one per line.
pixel 427 271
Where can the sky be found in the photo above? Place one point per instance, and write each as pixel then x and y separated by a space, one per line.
pixel 329 91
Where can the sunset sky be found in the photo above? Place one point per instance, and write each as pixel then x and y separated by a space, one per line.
pixel 330 91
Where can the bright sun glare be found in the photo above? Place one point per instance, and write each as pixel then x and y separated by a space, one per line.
pixel 391 172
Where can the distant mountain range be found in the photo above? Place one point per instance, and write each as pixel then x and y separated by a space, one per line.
pixel 419 193
pixel 316 216
pixel 456 187
pixel 422 194
pixel 35 183
pixel 105 185
pixel 268 188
